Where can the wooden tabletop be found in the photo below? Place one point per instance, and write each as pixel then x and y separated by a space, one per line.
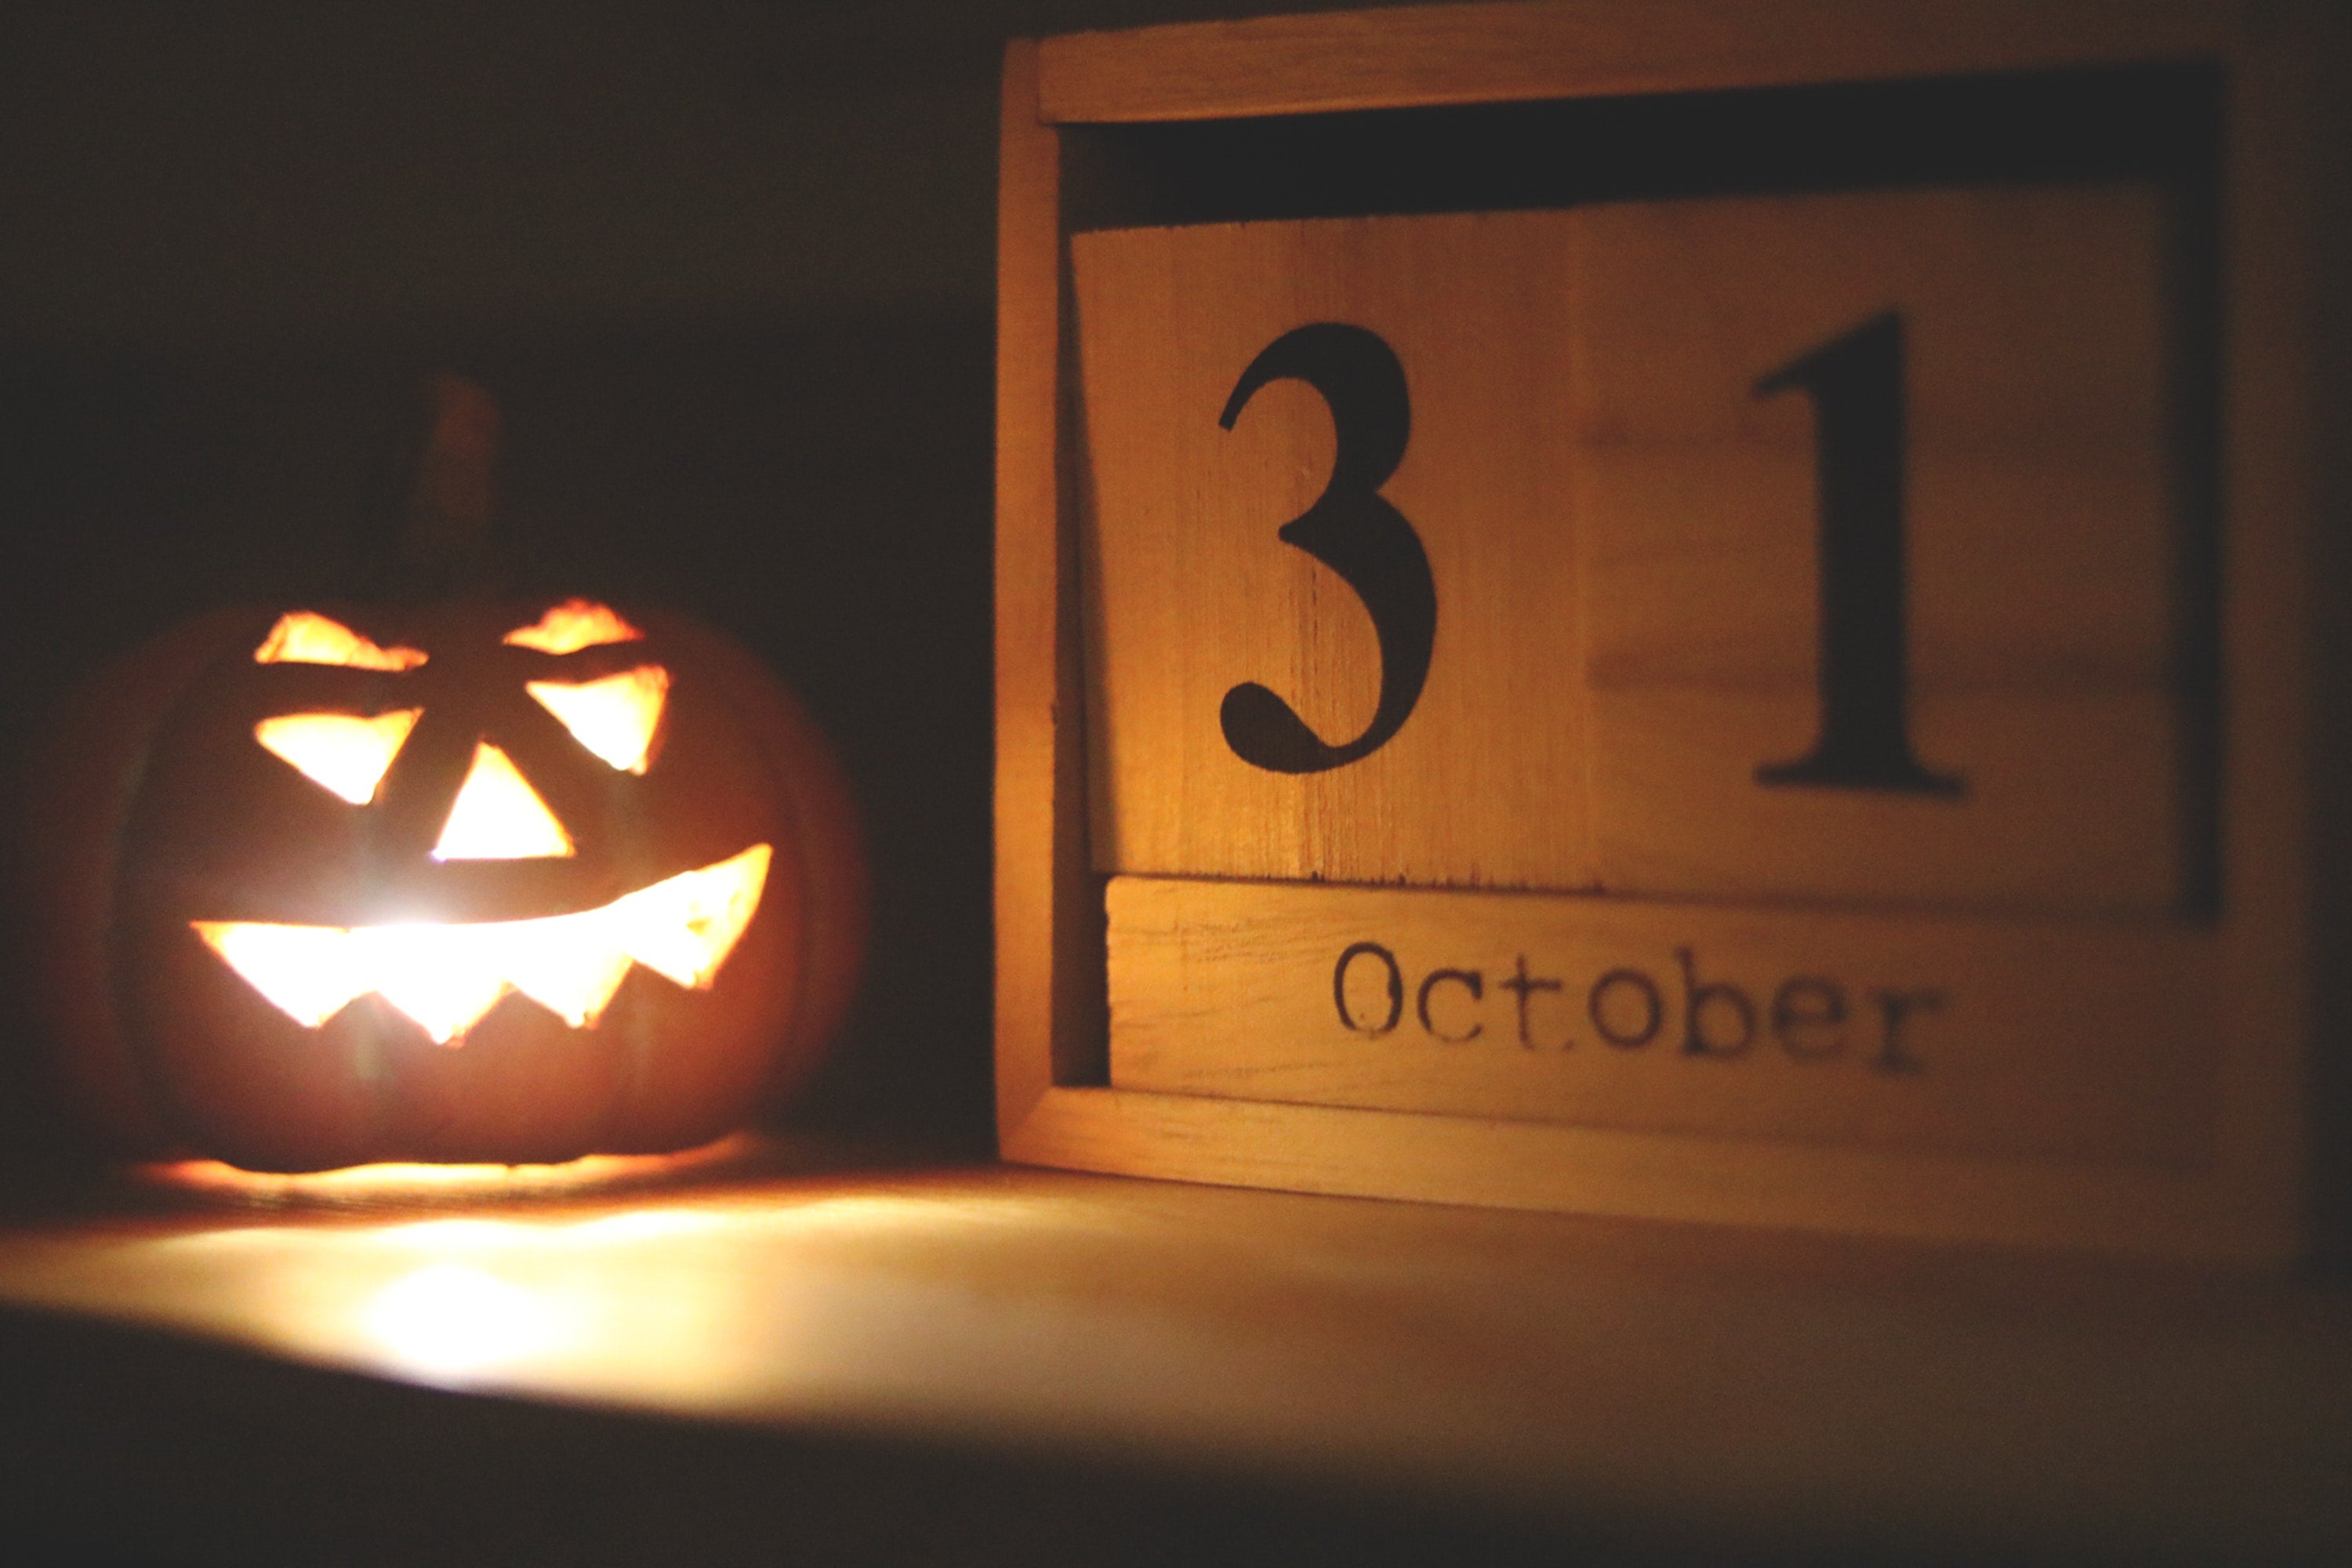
pixel 1652 1383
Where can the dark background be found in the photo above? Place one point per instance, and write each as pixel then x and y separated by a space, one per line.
pixel 729 268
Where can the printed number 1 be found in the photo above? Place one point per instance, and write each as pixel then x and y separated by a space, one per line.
pixel 1855 383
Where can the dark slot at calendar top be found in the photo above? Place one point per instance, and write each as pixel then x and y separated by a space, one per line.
pixel 2142 122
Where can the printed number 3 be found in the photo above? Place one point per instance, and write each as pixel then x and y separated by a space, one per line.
pixel 1352 530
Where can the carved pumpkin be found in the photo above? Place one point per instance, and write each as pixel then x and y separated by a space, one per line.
pixel 476 882
pixel 471 880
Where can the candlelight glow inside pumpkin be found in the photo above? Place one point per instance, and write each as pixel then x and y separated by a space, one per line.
pixel 445 976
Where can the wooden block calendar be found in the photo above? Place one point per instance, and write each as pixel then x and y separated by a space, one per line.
pixel 1653 614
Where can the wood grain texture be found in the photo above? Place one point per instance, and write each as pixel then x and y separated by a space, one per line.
pixel 2282 1131
pixel 1192 592
pixel 2041 1039
pixel 2041 511
pixel 1638 1174
pixel 1039 837
pixel 1483 53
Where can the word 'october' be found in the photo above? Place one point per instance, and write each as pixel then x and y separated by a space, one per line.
pixel 1808 1016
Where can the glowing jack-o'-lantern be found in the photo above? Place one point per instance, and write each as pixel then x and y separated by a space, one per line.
pixel 468 882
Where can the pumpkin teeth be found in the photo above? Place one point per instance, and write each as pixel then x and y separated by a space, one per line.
pixel 446 977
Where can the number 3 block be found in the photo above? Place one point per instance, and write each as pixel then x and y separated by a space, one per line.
pixel 1196 593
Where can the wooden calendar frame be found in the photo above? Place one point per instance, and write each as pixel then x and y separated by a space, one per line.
pixel 2269 1190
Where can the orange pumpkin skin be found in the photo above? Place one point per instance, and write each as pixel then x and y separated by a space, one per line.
pixel 154 807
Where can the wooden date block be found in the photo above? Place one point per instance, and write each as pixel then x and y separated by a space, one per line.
pixel 1457 432
pixel 1890 482
pixel 1910 1034
pixel 1707 612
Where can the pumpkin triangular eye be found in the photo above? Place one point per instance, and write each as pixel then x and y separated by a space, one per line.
pixel 498 816
pixel 307 637
pixel 572 626
pixel 339 751
pixel 615 717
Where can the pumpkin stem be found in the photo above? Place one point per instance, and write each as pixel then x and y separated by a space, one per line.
pixel 448 545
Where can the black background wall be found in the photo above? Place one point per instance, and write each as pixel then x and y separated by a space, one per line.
pixel 728 267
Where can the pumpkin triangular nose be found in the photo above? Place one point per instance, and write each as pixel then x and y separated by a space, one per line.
pixel 498 816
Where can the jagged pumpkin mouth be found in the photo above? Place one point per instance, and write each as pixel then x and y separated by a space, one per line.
pixel 446 976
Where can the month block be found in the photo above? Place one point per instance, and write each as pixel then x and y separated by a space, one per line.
pixel 1984 1036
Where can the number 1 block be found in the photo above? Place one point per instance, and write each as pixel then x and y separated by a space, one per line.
pixel 2031 540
